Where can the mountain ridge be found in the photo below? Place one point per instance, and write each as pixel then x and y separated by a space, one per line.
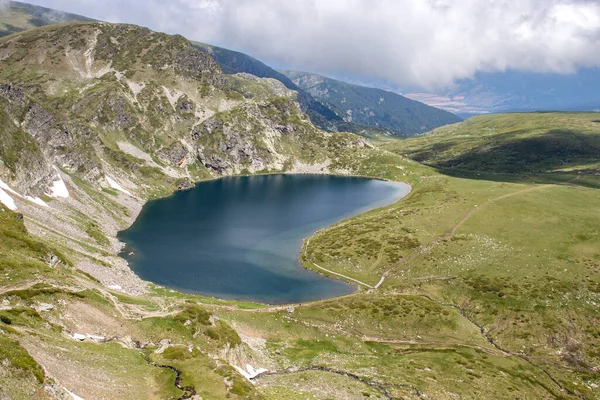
pixel 371 106
pixel 232 62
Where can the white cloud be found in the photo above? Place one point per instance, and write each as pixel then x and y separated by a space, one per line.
pixel 423 43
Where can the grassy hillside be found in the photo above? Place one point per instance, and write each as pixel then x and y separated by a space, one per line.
pixel 511 143
pixel 372 107
pixel 506 236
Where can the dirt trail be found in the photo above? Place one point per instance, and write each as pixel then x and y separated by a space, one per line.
pixel 332 272
pixel 381 387
pixel 440 239
pixel 475 209
pixel 411 257
pixel 491 351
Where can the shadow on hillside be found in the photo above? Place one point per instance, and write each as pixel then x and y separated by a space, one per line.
pixel 513 159
pixel 10 29
pixel 592 181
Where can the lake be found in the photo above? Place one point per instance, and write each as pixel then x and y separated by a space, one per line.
pixel 240 237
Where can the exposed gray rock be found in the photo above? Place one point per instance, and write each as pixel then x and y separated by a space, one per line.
pixel 174 155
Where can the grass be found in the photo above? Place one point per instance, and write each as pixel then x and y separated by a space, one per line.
pixel 510 143
pixel 206 375
pixel 18 358
pixel 524 267
pixel 223 334
pixel 489 311
pixel 422 328
pixel 23 257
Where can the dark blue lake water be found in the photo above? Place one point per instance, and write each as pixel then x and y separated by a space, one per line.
pixel 240 237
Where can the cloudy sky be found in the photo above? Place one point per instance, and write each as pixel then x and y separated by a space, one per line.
pixel 426 44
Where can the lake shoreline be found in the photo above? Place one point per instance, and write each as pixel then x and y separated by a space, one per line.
pixel 401 190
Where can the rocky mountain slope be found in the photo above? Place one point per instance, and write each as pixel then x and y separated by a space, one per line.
pixel 233 62
pixel 405 117
pixel 370 107
pixel 119 110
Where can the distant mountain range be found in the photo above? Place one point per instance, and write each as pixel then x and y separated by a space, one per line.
pixel 372 107
pixel 233 62
pixel 485 93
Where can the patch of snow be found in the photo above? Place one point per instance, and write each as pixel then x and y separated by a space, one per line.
pixel 115 287
pixel 59 189
pixel 73 395
pixel 35 200
pixel 113 184
pixel 7 188
pixel 96 338
pixel 7 201
pixel 78 336
pixel 250 372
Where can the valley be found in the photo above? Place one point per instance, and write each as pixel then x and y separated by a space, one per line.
pixel 482 282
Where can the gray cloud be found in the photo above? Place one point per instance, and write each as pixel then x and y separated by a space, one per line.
pixel 428 44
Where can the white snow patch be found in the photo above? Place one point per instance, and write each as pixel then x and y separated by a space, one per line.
pixel 96 338
pixel 115 287
pixel 79 336
pixel 250 372
pixel 113 184
pixel 73 395
pixel 59 189
pixel 7 188
pixel 7 200
pixel 35 200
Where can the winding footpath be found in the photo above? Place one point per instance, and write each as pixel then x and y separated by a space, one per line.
pixel 476 208
pixel 381 387
pixel 332 272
